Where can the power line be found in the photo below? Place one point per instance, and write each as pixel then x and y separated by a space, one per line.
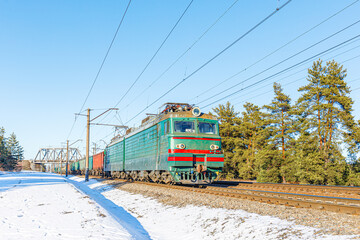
pixel 352 58
pixel 301 77
pixel 209 61
pixel 278 49
pixel 186 51
pixel 306 62
pixel 269 91
pixel 102 64
pixel 152 58
pixel 351 49
pixel 262 94
pixel 286 59
pixel 106 55
pixel 264 79
pixel 355 89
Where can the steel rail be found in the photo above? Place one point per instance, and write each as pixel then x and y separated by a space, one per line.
pixel 309 197
pixel 340 205
pixel 333 204
pixel 326 190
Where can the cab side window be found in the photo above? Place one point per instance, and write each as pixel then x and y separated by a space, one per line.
pixel 166 127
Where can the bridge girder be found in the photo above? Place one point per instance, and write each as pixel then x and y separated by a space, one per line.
pixel 56 155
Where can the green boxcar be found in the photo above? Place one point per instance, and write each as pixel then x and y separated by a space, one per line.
pixel 114 156
pixel 140 151
pixel 76 166
pixel 72 166
pixel 91 163
pixel 82 165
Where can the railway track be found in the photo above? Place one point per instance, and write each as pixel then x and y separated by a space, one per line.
pixel 300 200
pixel 330 191
pixel 334 204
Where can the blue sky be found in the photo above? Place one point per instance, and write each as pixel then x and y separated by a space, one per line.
pixel 52 50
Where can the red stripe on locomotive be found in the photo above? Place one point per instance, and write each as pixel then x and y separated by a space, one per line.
pixel 198 159
pixel 193 151
pixel 194 138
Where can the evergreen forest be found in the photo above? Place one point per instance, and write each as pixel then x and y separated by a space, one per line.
pixel 313 140
pixel 10 151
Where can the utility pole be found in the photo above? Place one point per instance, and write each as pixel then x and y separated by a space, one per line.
pixel 88 136
pixel 67 154
pixel 67 157
pixel 94 149
pixel 61 163
pixel 87 146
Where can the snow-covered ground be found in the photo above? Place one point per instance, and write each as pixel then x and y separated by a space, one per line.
pixel 194 222
pixel 45 206
pixel 48 206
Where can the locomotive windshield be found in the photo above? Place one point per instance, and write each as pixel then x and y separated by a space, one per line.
pixel 207 128
pixel 184 126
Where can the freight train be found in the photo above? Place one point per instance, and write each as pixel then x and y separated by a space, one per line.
pixel 178 145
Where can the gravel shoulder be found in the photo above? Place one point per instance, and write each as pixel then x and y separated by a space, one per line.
pixel 327 222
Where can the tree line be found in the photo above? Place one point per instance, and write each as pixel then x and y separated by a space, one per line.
pixel 313 140
pixel 10 151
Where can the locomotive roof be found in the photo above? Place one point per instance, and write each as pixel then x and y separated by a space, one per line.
pixel 186 114
pixel 158 118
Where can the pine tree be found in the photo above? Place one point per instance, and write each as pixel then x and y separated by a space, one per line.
pixel 325 109
pixel 228 120
pixel 10 151
pixel 353 178
pixel 311 102
pixel 2 140
pixel 280 120
pixel 339 120
pixel 252 139
pixel 14 147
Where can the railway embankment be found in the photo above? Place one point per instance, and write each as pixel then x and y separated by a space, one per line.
pixel 328 222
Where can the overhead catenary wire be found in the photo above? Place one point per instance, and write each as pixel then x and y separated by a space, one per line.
pixel 328 52
pixel 277 73
pixel 213 58
pixel 152 58
pixel 106 55
pixel 102 64
pixel 157 51
pixel 349 50
pixel 106 136
pixel 347 60
pixel 282 61
pixel 276 50
pixel 355 89
pixel 289 42
pixel 185 52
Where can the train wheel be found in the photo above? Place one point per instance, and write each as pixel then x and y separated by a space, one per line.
pixel 146 176
pixel 122 175
pixel 166 177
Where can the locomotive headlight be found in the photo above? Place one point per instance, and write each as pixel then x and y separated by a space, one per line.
pixel 181 146
pixel 196 111
pixel 214 147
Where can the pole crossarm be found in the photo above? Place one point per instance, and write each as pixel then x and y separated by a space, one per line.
pixel 111 125
pixel 88 136
pixel 103 113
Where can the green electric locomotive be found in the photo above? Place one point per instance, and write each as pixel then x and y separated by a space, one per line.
pixel 178 145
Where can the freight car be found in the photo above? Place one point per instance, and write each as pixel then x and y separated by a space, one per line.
pixel 178 145
pixel 97 164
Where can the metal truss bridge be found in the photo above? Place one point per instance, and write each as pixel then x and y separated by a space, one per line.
pixel 56 155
